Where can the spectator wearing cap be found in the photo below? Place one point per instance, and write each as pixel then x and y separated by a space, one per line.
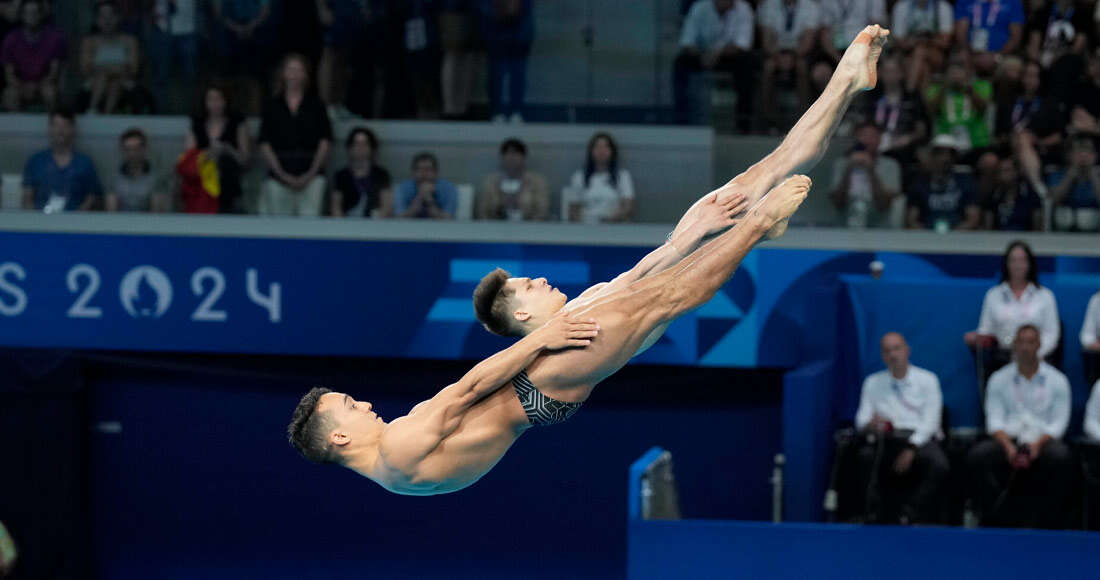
pixel 513 193
pixel 362 189
pixel 941 197
pixel 901 408
pixel 1027 408
pixel 138 187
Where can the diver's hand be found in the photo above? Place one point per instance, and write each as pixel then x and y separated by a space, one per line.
pixel 568 331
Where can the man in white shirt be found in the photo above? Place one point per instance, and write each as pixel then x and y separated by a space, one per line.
pixel 900 410
pixel 716 35
pixel 1092 413
pixel 788 36
pixel 1090 339
pixel 1027 408
pixel 840 17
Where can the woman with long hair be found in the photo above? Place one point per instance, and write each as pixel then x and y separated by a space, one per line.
pixel 602 191
pixel 221 131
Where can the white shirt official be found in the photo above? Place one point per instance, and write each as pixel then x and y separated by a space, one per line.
pixel 1092 413
pixel 705 29
pixel 1003 314
pixel 1027 409
pixel 912 402
pixel 1090 330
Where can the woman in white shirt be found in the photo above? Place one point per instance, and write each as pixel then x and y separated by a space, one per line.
pixel 1017 300
pixel 1090 343
pixel 602 192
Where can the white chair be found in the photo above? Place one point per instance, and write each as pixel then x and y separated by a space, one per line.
pixel 465 209
pixel 11 191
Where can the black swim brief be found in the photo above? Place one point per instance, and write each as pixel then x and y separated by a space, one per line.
pixel 540 409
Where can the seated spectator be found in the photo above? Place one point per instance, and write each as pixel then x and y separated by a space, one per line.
pixel 986 177
pixel 425 195
pixel 1031 121
pixel 897 112
pixel 788 37
pixel 989 28
pixel 509 30
pixel 1013 205
pixel 242 56
pixel 958 106
pixel 222 133
pixel 1018 300
pixel 1058 37
pixel 602 192
pixel 109 60
pixel 295 138
pixel 60 178
pixel 716 35
pixel 362 189
pixel 1075 189
pixel 513 193
pixel 941 197
pixel 1027 407
pixel 1085 102
pixel 922 31
pixel 138 185
pixel 866 182
pixel 32 56
pixel 173 49
pixel 1090 339
pixel 841 21
pixel 902 407
pixel 1092 413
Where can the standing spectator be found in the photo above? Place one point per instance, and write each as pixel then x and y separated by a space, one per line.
pixel 59 178
pixel 456 34
pixel 412 65
pixel 1017 301
pixel 716 35
pixel 902 407
pixel 513 193
pixel 1058 38
pixel 173 49
pixel 109 60
pixel 509 27
pixel 842 21
pixel 221 132
pixel 788 36
pixel 242 54
pixel 922 30
pixel 1092 413
pixel 958 106
pixel 897 112
pixel 362 189
pixel 867 183
pixel 295 138
pixel 1075 189
pixel 602 192
pixel 989 28
pixel 941 197
pixel 1013 204
pixel 425 195
pixel 138 185
pixel 1027 409
pixel 32 58
pixel 344 26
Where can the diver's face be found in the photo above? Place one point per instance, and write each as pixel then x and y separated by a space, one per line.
pixel 354 419
pixel 534 299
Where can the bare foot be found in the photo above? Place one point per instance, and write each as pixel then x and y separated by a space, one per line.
pixel 782 201
pixel 859 65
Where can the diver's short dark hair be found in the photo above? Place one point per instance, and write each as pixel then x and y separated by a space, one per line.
pixel 308 430
pixel 491 304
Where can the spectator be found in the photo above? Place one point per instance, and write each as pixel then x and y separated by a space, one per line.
pixel 344 23
pixel 897 112
pixel 242 54
pixel 1031 122
pixel 942 198
pixel 412 65
pixel 1090 328
pixel 1085 102
pixel 1075 189
pixel 509 27
pixel 1092 413
pixel 867 183
pixel 1058 37
pixel 1013 204
pixel 842 21
pixel 901 406
pixel 1027 409
pixel 1018 300
pixel 173 48
pixel 295 138
pixel 788 35
pixel 986 177
pixel 362 189
pixel 109 61
pixel 602 192
pixel 513 193
pixel 32 58
pixel 922 30
pixel 716 35
pixel 138 187
pixel 222 133
pixel 425 195
pixel 989 28
pixel 457 75
pixel 958 106
pixel 60 178
pixel 9 555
